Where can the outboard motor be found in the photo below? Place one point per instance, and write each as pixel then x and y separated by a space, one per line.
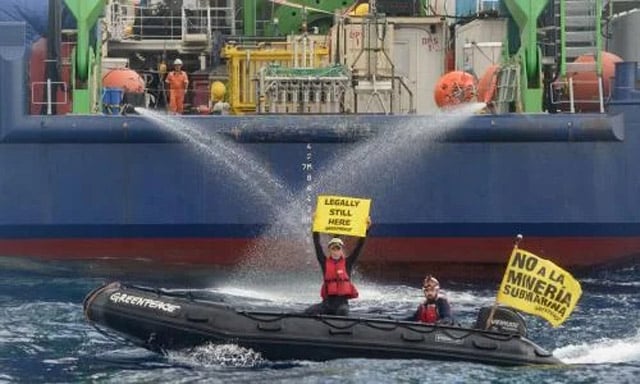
pixel 505 320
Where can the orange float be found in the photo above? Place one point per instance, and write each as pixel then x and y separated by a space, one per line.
pixel 454 88
pixel 123 78
pixel 585 83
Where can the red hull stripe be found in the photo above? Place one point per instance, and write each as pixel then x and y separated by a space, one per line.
pixel 574 251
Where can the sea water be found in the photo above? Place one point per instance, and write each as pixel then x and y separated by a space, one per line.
pixel 44 337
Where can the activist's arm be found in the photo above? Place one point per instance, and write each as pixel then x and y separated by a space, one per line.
pixel 355 254
pixel 319 252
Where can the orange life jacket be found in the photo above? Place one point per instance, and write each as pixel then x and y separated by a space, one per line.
pixel 428 313
pixel 336 280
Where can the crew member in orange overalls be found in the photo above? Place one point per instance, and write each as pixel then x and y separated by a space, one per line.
pixel 337 287
pixel 178 82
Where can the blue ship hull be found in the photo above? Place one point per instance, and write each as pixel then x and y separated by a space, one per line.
pixel 444 192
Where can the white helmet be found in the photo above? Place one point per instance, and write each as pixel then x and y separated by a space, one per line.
pixel 177 62
pixel 336 241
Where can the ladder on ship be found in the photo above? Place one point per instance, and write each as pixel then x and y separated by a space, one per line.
pixel 580 34
pixel 507 89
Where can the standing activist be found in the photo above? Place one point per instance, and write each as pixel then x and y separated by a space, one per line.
pixel 337 288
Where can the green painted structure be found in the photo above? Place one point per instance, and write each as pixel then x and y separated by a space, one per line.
pixel 525 13
pixel 86 56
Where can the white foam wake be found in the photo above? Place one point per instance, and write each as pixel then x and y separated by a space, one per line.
pixel 602 351
pixel 227 355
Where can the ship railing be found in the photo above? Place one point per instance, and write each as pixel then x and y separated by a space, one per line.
pixel 196 100
pixel 196 25
pixel 222 19
pixel 47 88
pixel 563 93
pixel 120 18
pixel 146 24
pixel 138 22
pixel 380 94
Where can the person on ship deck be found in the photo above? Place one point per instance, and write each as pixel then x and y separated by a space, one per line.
pixel 178 82
pixel 436 308
pixel 337 288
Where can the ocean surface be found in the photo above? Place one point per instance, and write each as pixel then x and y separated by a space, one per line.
pixel 44 337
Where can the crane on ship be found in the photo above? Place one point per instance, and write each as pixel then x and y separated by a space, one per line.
pixel 518 84
pixel 86 55
pixel 529 57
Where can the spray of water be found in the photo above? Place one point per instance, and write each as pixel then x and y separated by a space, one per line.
pixel 343 175
pixel 390 152
pixel 241 166
pixel 286 245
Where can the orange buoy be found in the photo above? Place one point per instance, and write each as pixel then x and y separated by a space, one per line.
pixel 585 83
pixel 123 78
pixel 454 88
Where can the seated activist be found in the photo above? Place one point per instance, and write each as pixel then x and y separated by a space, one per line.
pixel 337 287
pixel 435 309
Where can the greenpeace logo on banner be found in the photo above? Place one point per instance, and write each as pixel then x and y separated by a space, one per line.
pixel 143 302
pixel 538 286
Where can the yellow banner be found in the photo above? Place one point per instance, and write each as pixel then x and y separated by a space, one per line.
pixel 341 215
pixel 539 287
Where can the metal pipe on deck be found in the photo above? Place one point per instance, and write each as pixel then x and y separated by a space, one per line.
pixel 249 17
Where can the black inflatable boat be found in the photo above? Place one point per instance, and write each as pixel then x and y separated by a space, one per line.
pixel 159 320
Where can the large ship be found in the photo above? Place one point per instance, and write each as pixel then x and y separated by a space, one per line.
pixel 534 129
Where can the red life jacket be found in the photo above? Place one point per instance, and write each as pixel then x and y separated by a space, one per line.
pixel 428 313
pixel 336 280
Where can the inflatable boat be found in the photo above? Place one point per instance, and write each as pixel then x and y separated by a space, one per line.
pixel 160 320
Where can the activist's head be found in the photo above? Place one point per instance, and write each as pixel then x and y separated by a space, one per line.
pixel 336 248
pixel 430 288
